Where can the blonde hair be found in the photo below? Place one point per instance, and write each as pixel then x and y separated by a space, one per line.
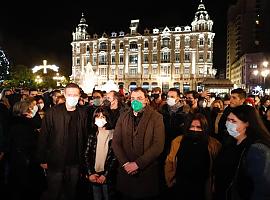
pixel 220 102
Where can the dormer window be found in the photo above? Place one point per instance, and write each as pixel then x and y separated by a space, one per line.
pixel 121 33
pixel 133 45
pixel 146 31
pixel 155 31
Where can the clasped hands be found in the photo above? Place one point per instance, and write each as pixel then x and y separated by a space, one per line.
pixel 96 178
pixel 131 168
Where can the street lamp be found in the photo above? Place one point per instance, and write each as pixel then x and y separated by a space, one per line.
pixel 263 71
pixel 265 63
pixel 264 74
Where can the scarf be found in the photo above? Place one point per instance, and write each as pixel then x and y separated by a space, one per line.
pixel 103 138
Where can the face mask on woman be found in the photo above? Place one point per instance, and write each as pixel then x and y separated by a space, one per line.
pixel 100 122
pixel 34 111
pixel 41 106
pixel 231 128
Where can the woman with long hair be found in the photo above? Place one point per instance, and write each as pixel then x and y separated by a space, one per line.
pixel 243 166
pixel 188 167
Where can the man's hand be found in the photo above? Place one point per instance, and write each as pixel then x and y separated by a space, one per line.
pixel 44 165
pixel 131 167
pixel 93 178
pixel 205 94
pixel 101 179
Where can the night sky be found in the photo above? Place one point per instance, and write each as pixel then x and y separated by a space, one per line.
pixel 30 33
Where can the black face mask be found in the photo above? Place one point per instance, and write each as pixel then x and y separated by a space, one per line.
pixel 196 133
pixel 215 110
pixel 107 103
pixel 196 136
pixel 155 96
pixel 189 102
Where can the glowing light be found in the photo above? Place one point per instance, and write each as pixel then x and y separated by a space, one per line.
pixel 265 73
pixel 38 79
pixel 256 72
pixel 265 63
pixel 45 67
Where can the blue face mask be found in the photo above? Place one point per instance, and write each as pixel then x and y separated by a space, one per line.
pixel 231 128
pixel 72 101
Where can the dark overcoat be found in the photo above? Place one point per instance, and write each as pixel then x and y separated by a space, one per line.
pixel 142 145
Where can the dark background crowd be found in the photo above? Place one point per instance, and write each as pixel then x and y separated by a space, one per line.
pixel 66 144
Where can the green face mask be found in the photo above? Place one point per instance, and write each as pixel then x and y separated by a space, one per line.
pixel 136 105
pixel 96 102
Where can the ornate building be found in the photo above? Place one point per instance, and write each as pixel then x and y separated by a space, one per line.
pixel 180 57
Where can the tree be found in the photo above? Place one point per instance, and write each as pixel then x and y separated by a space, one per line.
pixel 4 66
pixel 21 76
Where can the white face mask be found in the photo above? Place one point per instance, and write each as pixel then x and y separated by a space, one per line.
pixel 231 128
pixel 204 104
pixel 34 111
pixel 100 122
pixel 41 105
pixel 72 101
pixel 171 101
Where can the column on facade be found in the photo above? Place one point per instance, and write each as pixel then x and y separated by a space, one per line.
pixel 127 61
pixel 193 62
pixel 139 59
pixel 82 66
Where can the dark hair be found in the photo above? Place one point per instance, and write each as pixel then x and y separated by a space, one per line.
pixel 98 91
pixel 175 90
pixel 203 121
pixel 32 89
pixel 119 97
pixel 137 89
pixel 156 89
pixel 256 129
pixel 194 94
pixel 84 96
pixel 264 99
pixel 241 93
pixel 105 112
pixel 38 97
pixel 55 91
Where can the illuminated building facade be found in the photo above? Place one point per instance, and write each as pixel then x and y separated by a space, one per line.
pixel 180 57
pixel 248 41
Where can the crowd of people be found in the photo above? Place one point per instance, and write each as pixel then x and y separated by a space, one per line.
pixel 143 145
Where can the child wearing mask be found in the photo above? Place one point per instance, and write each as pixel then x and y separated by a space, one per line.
pixel 99 158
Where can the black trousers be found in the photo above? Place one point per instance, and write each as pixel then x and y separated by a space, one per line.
pixel 62 185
